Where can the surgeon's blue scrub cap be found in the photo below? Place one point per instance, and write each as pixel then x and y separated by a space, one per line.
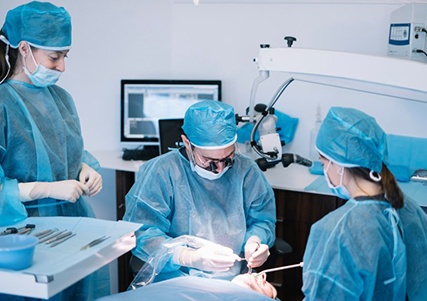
pixel 210 124
pixel 352 138
pixel 42 24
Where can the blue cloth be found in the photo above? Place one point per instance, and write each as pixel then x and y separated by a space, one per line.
pixel 210 124
pixel 407 154
pixel 42 141
pixel 354 253
pixel 190 288
pixel 286 125
pixel 171 200
pixel 352 138
pixel 41 24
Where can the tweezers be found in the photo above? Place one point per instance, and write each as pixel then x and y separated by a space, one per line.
pixel 62 240
pixel 95 242
pixel 52 235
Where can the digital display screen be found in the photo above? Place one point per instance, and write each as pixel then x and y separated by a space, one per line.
pixel 145 102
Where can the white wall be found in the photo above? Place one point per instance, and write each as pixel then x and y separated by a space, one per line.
pixel 115 39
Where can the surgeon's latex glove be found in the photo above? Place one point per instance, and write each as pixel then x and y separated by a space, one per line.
pixel 255 252
pixel 68 190
pixel 91 179
pixel 211 258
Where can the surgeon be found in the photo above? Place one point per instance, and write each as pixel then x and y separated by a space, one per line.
pixel 44 170
pixel 374 246
pixel 205 189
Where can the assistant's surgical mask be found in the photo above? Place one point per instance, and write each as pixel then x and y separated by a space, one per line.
pixel 340 190
pixel 42 76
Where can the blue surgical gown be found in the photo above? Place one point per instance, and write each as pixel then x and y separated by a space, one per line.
pixel 41 141
pixel 352 254
pixel 414 223
pixel 171 200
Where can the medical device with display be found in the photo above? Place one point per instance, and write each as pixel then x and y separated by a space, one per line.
pixel 408 30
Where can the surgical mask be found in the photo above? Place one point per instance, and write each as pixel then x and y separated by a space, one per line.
pixel 42 76
pixel 340 190
pixel 206 174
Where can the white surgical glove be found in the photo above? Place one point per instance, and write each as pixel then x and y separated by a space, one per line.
pixel 212 258
pixel 255 252
pixel 67 190
pixel 91 179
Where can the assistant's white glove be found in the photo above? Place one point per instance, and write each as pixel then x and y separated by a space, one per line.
pixel 91 179
pixel 212 258
pixel 68 190
pixel 255 252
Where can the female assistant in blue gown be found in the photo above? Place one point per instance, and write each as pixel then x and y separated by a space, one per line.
pixel 373 247
pixel 44 170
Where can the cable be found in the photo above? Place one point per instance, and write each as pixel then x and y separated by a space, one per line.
pixel 420 51
pixel 270 155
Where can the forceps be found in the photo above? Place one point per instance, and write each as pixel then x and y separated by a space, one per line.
pixel 95 242
pixel 244 259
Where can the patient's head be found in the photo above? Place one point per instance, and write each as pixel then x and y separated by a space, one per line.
pixel 256 282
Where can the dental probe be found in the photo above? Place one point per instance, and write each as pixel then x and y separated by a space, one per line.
pixel 301 264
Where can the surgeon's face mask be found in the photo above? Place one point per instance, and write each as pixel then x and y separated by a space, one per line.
pixel 340 190
pixel 209 172
pixel 42 76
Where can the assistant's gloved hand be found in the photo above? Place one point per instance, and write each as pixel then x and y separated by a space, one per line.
pixel 91 179
pixel 255 252
pixel 211 258
pixel 67 190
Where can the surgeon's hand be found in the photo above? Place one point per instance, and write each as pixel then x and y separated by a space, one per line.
pixel 212 258
pixel 255 252
pixel 68 190
pixel 91 179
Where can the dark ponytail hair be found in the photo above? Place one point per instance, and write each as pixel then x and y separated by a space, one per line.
pixel 388 183
pixel 13 56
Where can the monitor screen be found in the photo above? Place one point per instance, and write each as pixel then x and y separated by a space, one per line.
pixel 145 102
pixel 170 134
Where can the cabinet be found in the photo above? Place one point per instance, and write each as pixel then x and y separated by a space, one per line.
pixel 296 212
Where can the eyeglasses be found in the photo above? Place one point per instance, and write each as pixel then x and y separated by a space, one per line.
pixel 213 164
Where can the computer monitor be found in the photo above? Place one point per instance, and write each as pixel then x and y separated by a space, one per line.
pixel 144 102
pixel 170 131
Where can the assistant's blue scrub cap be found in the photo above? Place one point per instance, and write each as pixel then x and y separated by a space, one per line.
pixel 42 24
pixel 352 138
pixel 210 124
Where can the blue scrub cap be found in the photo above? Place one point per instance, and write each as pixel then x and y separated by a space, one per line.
pixel 352 138
pixel 42 24
pixel 210 124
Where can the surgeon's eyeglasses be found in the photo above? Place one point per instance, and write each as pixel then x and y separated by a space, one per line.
pixel 213 164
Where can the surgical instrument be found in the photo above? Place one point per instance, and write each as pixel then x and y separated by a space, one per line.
pixel 301 264
pixel 45 233
pixel 95 242
pixel 52 236
pixel 13 230
pixel 58 237
pixel 62 240
pixel 242 259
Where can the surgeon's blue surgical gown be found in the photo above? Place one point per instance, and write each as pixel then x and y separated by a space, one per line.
pixel 349 254
pixel 171 200
pixel 40 141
